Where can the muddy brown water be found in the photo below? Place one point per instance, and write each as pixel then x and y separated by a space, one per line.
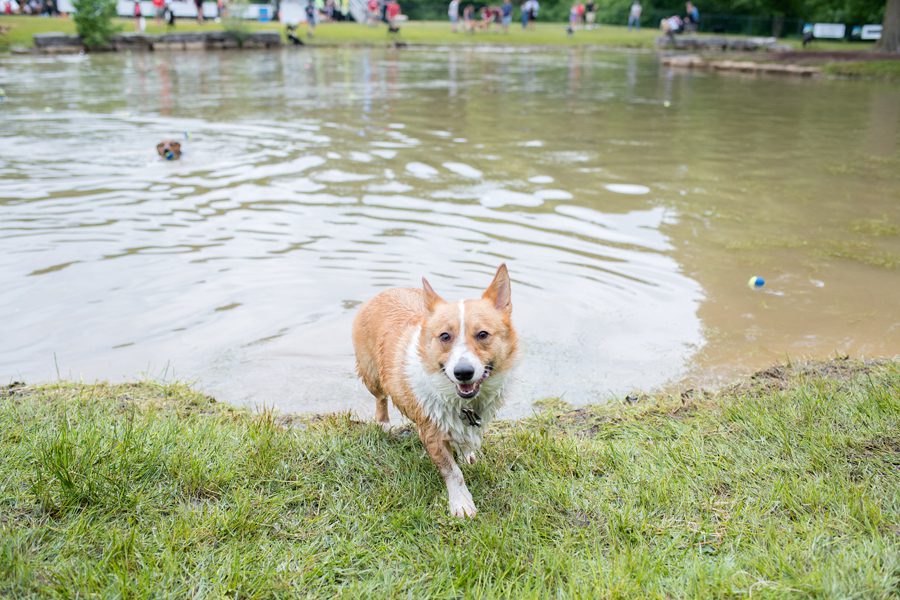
pixel 632 204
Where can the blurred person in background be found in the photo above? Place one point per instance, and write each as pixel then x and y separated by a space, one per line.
pixel 634 15
pixel 453 14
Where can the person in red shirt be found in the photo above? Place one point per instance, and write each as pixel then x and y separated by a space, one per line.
pixel 159 7
pixel 486 18
pixel 393 11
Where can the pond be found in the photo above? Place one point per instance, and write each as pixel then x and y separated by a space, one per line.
pixel 631 202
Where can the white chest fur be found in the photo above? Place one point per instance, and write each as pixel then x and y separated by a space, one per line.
pixel 438 398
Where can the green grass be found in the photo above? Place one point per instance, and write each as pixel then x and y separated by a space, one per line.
pixel 416 32
pixel 882 226
pixel 863 252
pixel 786 486
pixel 545 34
pixel 829 45
pixel 888 70
pixel 22 29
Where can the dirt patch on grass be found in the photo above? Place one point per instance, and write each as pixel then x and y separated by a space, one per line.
pixel 781 377
pixel 584 422
pixel 888 444
pixel 883 449
pixel 589 421
pixel 16 387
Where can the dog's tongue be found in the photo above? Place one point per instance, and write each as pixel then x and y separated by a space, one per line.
pixel 466 387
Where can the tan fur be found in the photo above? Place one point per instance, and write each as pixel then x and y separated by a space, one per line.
pixel 383 330
pixel 169 146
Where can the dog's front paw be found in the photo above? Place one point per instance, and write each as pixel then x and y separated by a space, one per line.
pixel 470 457
pixel 461 503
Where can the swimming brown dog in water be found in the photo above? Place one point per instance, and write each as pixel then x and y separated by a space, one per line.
pixel 169 149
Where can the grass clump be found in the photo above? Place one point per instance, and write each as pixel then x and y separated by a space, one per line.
pixel 862 252
pixel 888 70
pixel 880 227
pixel 786 485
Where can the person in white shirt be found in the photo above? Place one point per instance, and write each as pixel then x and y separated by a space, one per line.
pixel 533 13
pixel 453 13
pixel 634 16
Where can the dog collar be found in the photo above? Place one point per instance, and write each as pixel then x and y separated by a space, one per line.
pixel 473 418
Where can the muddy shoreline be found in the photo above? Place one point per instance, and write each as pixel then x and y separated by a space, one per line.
pixel 776 378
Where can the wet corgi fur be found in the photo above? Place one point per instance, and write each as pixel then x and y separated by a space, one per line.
pixel 443 364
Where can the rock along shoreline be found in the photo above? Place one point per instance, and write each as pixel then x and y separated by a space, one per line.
pixel 61 43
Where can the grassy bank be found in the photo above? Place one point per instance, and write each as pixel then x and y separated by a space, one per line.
pixel 22 29
pixel 885 70
pixel 788 485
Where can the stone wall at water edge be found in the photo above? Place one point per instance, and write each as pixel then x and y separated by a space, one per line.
pixel 201 40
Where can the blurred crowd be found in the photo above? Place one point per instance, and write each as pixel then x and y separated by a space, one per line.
pixel 30 7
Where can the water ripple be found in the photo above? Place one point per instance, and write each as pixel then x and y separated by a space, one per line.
pixel 242 263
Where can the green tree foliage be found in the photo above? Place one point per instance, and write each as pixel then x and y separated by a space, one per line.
pixel 93 19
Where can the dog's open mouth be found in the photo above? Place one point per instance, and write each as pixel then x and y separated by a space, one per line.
pixel 471 389
pixel 468 390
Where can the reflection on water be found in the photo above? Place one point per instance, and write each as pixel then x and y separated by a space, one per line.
pixel 631 203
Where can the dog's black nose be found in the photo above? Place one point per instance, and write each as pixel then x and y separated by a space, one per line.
pixel 463 372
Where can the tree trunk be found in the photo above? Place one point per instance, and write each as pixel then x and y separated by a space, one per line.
pixel 890 28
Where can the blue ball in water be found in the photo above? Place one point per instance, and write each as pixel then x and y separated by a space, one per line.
pixel 170 155
pixel 756 282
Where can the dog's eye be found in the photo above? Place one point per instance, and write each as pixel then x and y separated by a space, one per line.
pixel 445 337
pixel 482 335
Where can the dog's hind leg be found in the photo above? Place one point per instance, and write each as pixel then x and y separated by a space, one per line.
pixel 381 411
pixel 368 372
pixel 381 401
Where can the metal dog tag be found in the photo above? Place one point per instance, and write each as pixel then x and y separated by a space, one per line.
pixel 472 417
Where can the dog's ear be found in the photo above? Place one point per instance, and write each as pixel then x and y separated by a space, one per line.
pixel 431 297
pixel 498 293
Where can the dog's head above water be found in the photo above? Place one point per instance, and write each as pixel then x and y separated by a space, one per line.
pixel 469 340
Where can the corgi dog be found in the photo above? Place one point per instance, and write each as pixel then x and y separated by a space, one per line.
pixel 443 364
